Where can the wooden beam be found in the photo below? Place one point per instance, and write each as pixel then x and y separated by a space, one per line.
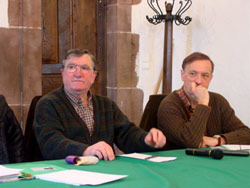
pixel 101 81
pixel 168 41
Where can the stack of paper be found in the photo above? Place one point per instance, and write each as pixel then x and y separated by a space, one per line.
pixel 9 174
pixel 235 147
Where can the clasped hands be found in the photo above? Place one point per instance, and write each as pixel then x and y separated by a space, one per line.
pixel 155 138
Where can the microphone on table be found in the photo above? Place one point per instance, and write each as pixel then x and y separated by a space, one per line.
pixel 215 153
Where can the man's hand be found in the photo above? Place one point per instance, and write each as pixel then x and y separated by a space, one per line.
pixel 200 94
pixel 101 149
pixel 207 141
pixel 155 138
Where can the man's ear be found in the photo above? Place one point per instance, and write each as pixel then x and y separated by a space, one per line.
pixel 182 72
pixel 96 74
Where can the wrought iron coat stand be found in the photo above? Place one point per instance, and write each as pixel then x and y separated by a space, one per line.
pixel 168 18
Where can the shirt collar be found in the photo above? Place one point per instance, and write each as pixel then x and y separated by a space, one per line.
pixel 185 100
pixel 77 101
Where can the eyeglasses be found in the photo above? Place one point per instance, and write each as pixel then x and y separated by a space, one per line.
pixel 194 74
pixel 73 68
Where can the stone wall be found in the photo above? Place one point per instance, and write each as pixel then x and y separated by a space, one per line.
pixel 122 47
pixel 20 56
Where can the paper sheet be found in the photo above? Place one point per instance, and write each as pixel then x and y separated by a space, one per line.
pixel 148 157
pixel 8 171
pixel 234 147
pixel 79 177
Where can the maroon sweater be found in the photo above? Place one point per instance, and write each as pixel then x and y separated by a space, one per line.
pixel 184 131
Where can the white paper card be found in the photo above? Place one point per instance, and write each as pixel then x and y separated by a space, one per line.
pixel 79 177
pixel 8 171
pixel 236 147
pixel 161 159
pixel 43 169
pixel 148 157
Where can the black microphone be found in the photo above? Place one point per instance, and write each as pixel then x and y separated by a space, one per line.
pixel 215 153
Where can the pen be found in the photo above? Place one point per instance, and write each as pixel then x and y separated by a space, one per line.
pixel 25 175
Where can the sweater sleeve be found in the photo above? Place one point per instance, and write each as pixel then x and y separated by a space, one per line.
pixel 15 140
pixel 51 130
pixel 174 121
pixel 233 130
pixel 128 137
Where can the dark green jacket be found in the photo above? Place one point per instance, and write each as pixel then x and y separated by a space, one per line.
pixel 60 131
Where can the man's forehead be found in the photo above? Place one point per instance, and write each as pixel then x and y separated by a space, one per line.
pixel 85 58
pixel 200 65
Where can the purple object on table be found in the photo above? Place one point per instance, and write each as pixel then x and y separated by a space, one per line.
pixel 72 159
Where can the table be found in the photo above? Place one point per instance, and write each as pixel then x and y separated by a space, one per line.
pixel 185 171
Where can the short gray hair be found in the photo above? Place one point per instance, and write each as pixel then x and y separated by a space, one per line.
pixel 78 53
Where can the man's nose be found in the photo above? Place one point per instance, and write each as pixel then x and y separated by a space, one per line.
pixel 78 71
pixel 198 79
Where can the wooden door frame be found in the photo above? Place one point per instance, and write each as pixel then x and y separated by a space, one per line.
pixel 100 85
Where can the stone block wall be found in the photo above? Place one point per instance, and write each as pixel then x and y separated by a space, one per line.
pixel 122 47
pixel 20 56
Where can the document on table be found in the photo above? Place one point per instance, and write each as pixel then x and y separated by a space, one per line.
pixel 79 177
pixel 153 158
pixel 233 147
pixel 9 171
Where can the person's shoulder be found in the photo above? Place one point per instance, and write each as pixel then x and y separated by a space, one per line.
pixel 52 96
pixel 171 97
pixel 2 99
pixel 3 104
pixel 170 101
pixel 101 98
pixel 217 99
pixel 104 102
pixel 216 96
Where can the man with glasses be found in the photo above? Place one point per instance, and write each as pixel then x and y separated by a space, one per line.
pixel 74 121
pixel 194 117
